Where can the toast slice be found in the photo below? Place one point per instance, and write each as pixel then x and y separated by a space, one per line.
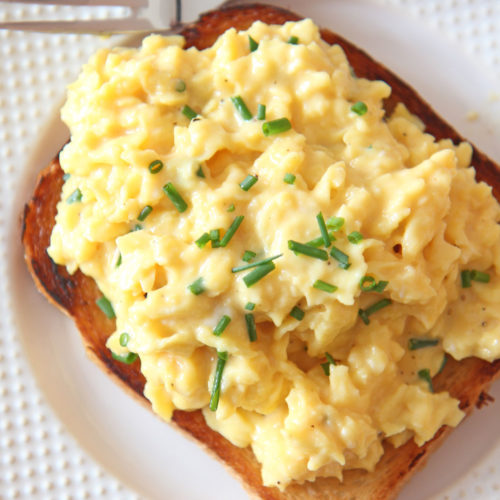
pixel 75 295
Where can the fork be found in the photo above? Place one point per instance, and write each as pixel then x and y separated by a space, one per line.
pixel 142 16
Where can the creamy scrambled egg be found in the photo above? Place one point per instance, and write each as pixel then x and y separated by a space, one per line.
pixel 317 360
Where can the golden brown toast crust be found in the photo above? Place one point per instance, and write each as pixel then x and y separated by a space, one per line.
pixel 76 295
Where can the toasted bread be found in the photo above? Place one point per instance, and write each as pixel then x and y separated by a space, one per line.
pixel 76 294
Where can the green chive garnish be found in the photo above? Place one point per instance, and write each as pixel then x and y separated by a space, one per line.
pixel 323 230
pixel 294 40
pixel 106 307
pixel 203 240
pixel 215 238
pixel 232 229
pixel 252 331
pixel 231 208
pixel 221 362
pixel 252 44
pixel 241 107
pixel 74 197
pixel 197 287
pixel 124 338
pixel 258 273
pixel 175 197
pixel 317 242
pixel 221 325
pixel 289 178
pixel 380 286
pixel 249 306
pixel 254 264
pixel 200 172
pixel 308 250
pixel 367 283
pixel 364 313
pixel 297 313
pixel 155 166
pixel 125 358
pixel 465 277
pixel 145 212
pixel 340 257
pixel 261 112
pixel 480 276
pixel 335 223
pixel 189 112
pixel 360 108
pixel 276 126
pixel 355 237
pixel 248 256
pixel 324 286
pixel 443 364
pixel 119 260
pixel 180 86
pixel 137 227
pixel 329 361
pixel 425 375
pixel 414 343
pixel 248 182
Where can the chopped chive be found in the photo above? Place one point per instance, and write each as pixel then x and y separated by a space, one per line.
pixel 251 329
pixel 106 307
pixel 232 229
pixel 425 375
pixel 367 287
pixel 465 277
pixel 248 256
pixel 443 364
pixel 329 361
pixel 380 286
pixel 308 250
pixel 258 273
pixel 340 257
pixel 66 177
pixel 200 173
pixel 360 108
pixel 480 276
pixel 215 237
pixel 317 242
pixel 241 107
pixel 155 166
pixel 297 313
pixel 221 325
pixel 137 227
pixel 124 338
pixel 231 208
pixel 197 287
pixel 255 264
pixel 276 126
pixel 221 362
pixel 261 112
pixel 145 212
pixel 322 229
pixel 252 44
pixel 335 223
pixel 249 306
pixel 324 286
pixel 415 343
pixel 189 112
pixel 119 260
pixel 364 313
pixel 203 240
pixel 289 178
pixel 175 197
pixel 294 40
pixel 355 237
pixel 180 86
pixel 74 197
pixel 128 358
pixel 248 182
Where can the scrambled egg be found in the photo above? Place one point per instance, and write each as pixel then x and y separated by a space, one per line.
pixel 318 355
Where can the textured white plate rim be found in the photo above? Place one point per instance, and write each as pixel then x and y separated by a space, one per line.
pixel 13 277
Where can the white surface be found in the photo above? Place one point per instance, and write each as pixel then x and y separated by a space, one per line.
pixel 65 430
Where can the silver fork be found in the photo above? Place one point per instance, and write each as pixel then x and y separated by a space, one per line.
pixel 142 16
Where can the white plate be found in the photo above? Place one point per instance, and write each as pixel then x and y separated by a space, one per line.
pixel 61 443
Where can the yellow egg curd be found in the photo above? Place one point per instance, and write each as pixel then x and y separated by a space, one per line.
pixel 381 252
